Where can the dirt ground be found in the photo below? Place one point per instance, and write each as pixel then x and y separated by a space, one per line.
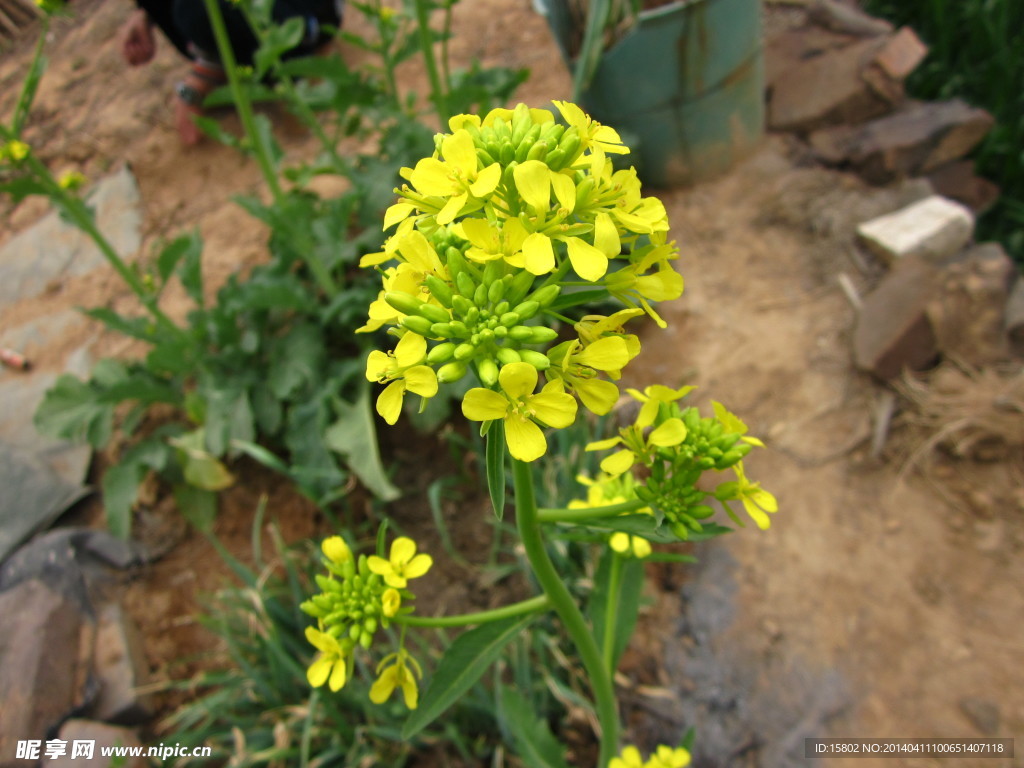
pixel 883 602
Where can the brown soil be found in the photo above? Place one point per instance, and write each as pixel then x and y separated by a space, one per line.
pixel 906 586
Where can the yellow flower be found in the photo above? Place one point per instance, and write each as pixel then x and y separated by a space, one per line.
pixel 667 434
pixel 391 601
pixel 456 177
pixel 403 369
pixel 756 501
pixel 71 180
pixel 330 664
pixel 630 758
pixel 577 366
pixel 731 423
pixel 667 757
pixel 489 242
pixel 397 675
pixel 594 135
pixel 652 397
pixel 403 564
pixel 593 327
pixel 15 150
pixel 626 544
pixel 521 409
pixel 336 550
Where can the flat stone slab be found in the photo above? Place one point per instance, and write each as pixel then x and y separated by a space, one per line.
pixel 52 250
pixel 933 229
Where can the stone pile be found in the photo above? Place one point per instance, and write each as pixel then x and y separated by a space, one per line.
pixel 835 81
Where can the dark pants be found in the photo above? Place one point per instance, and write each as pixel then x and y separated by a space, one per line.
pixel 187 26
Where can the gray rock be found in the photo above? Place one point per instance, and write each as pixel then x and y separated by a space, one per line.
pixel 893 331
pixel 34 496
pixel 41 673
pixel 120 668
pixel 53 250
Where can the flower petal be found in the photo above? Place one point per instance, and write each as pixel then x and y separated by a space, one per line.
pixel 486 181
pixel 589 262
pixel 421 380
pixel 402 551
pixel 597 395
pixel 618 462
pixel 525 439
pixel 672 432
pixel 554 408
pixel 481 404
pixel 384 685
pixel 338 675
pixel 607 354
pixel 319 671
pixel 418 566
pixel 539 254
pixel 518 380
pixel 606 236
pixel 533 180
pixel 389 402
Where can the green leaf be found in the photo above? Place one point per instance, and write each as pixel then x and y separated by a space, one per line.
pixel 190 270
pixel 196 505
pixel 296 359
pixel 461 666
pixel 172 254
pixel 535 744
pixel 354 436
pixel 74 410
pixel 135 327
pixel 120 486
pixel 495 455
pixel 201 469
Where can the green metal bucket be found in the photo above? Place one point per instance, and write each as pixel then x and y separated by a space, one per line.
pixel 687 84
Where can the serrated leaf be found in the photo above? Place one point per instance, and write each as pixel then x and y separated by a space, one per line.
pixel 136 327
pixel 535 744
pixel 74 410
pixel 354 436
pixel 466 660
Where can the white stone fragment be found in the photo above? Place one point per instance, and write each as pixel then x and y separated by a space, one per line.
pixel 934 229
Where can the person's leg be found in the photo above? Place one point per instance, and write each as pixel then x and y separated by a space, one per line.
pixel 161 13
pixel 191 19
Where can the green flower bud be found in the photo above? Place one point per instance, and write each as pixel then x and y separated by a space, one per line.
pixel 370 624
pixel 403 302
pixel 311 608
pixel 680 530
pixel 459 328
pixel 326 584
pixel 500 308
pixel 541 334
pixel 507 356
pixel 496 291
pixel 546 295
pixel 519 285
pixel 507 153
pixel 555 159
pixel 527 141
pixel 442 353
pixel 464 351
pixel 439 289
pixel 355 631
pixel 461 306
pixel 538 151
pixel 434 313
pixel 485 158
pixel 536 359
pixel 480 295
pixel 441 330
pixel 584 190
pixel 527 309
pixel 417 324
pixel 509 319
pixel 523 333
pixel 472 315
pixel 487 370
pixel 500 332
pixel 451 372
pixel 701 512
pixel 365 640
pixel 465 283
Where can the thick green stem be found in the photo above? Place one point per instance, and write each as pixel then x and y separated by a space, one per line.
pixel 438 95
pixel 245 113
pixel 241 98
pixel 533 605
pixel 588 513
pixel 533 543
pixel 611 613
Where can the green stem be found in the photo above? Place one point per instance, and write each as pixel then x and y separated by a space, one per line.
pixel 533 605
pixel 80 216
pixel 427 46
pixel 533 543
pixel 588 513
pixel 386 59
pixel 611 613
pixel 241 99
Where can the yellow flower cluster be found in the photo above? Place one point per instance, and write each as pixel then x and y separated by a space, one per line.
pixel 671 447
pixel 515 218
pixel 357 599
pixel 663 757
pixel 14 151
pixel 606 490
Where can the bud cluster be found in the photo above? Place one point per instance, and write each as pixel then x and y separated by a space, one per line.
pixel 494 235
pixel 671 448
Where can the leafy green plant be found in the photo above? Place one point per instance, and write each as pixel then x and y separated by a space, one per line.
pixel 272 367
